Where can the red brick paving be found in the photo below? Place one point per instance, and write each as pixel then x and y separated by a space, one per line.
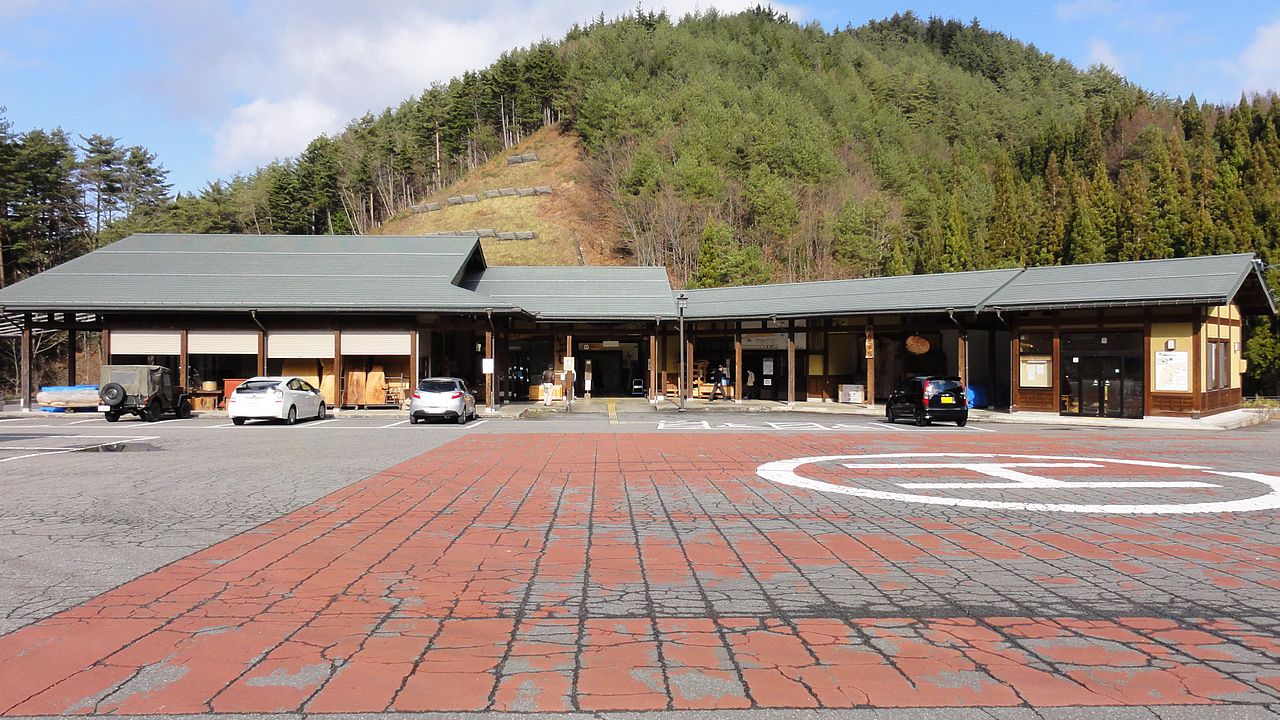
pixel 643 572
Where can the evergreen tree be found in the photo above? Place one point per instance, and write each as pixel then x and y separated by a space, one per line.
pixel 722 260
pixel 956 243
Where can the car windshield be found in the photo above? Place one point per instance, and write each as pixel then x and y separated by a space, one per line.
pixel 437 386
pixel 943 384
pixel 257 386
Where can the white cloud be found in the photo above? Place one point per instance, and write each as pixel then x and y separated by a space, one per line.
pixel 267 78
pixel 1100 53
pixel 263 130
pixel 1259 64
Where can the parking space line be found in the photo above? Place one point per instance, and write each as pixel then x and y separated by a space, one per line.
pixel 321 422
pixel 380 427
pixel 478 423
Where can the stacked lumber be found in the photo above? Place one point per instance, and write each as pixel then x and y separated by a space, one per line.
pixel 328 386
pixel 375 386
pixel 353 387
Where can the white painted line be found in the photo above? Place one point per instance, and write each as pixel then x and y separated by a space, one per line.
pixel 77 449
pixel 12 419
pixel 891 426
pixel 395 424
pixel 979 429
pixel 478 423
pixel 219 426
pixel 1056 485
pixel 81 422
pixel 321 422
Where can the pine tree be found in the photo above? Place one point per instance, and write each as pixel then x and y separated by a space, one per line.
pixel 1104 204
pixel 1084 239
pixel 957 248
pixel 1004 242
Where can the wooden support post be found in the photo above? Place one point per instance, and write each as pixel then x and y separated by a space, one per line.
pixel 653 363
pixel 184 370
pixel 962 357
pixel 737 363
pixel 72 351
pixel 1015 359
pixel 1197 364
pixel 826 362
pixel 24 368
pixel 262 353
pixel 106 347
pixel 791 362
pixel 688 365
pixel 991 368
pixel 413 361
pixel 337 370
pixel 1148 377
pixel 1056 364
pixel 869 353
pixel 490 386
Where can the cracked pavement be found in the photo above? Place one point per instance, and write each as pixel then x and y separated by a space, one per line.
pixel 579 568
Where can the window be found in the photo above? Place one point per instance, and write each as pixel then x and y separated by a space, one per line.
pixel 437 386
pixel 1218 365
pixel 1035 360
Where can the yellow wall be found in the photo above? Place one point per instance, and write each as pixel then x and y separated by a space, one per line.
pixel 1223 332
pixel 1180 333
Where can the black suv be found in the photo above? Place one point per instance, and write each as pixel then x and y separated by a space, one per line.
pixel 927 398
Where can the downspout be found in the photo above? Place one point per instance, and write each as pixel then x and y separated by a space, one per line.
pixel 262 360
pixel 963 335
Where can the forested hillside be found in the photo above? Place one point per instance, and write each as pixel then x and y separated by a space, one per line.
pixel 746 148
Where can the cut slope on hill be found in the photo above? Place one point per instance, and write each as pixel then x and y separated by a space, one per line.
pixel 574 223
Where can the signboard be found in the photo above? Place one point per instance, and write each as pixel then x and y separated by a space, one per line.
pixel 766 367
pixel 771 341
pixel 870 352
pixel 1033 372
pixel 1172 372
pixel 568 363
pixel 486 366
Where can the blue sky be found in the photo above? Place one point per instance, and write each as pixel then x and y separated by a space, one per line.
pixel 217 87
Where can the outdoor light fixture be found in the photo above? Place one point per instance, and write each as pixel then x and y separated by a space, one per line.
pixel 682 302
pixel 1170 344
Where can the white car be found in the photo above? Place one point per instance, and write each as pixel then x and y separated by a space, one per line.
pixel 288 398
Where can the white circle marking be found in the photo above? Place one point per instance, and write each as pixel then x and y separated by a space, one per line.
pixel 784 473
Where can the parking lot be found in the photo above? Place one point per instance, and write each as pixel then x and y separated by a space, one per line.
pixel 639 563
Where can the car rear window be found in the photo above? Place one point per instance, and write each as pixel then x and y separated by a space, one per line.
pixel 257 386
pixel 437 386
pixel 943 385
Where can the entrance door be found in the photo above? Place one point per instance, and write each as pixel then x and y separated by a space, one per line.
pixel 1096 387
pixel 770 368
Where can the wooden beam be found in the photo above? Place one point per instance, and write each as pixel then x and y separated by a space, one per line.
pixel 1147 377
pixel 1197 365
pixel 338 389
pixel 737 363
pixel 183 359
pixel 24 368
pixel 73 350
pixel 653 362
pixel 1015 358
pixel 489 384
pixel 791 362
pixel 688 364
pixel 962 357
pixel 869 353
pixel 826 362
pixel 1056 364
pixel 106 347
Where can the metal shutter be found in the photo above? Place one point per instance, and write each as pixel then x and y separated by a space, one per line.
pixel 133 342
pixel 300 345
pixel 376 343
pixel 232 342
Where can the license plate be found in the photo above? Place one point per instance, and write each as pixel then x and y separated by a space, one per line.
pixel 948 400
pixel 104 408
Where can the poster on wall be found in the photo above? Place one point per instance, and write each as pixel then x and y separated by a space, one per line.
pixel 766 367
pixel 1034 373
pixel 1172 372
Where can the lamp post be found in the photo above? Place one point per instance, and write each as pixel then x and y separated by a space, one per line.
pixel 682 302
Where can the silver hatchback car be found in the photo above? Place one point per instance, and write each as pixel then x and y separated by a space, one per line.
pixel 442 397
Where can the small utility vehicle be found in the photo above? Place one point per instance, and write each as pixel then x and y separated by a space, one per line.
pixel 143 390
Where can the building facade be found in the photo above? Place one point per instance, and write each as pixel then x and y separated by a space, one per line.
pixel 366 317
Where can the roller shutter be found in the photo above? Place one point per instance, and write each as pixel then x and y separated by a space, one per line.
pixel 300 345
pixel 375 343
pixel 133 342
pixel 231 342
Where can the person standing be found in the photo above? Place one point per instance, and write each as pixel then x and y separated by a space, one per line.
pixel 717 383
pixel 548 384
pixel 749 387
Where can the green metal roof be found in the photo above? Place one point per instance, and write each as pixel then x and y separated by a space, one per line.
pixel 867 296
pixel 580 293
pixel 284 273
pixel 1210 280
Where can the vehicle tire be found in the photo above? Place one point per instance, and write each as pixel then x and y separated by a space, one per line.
pixel 184 409
pixel 111 417
pixel 414 420
pixel 889 417
pixel 921 420
pixel 962 421
pixel 462 417
pixel 237 421
pixel 151 412
pixel 292 417
pixel 112 394
pixel 322 412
